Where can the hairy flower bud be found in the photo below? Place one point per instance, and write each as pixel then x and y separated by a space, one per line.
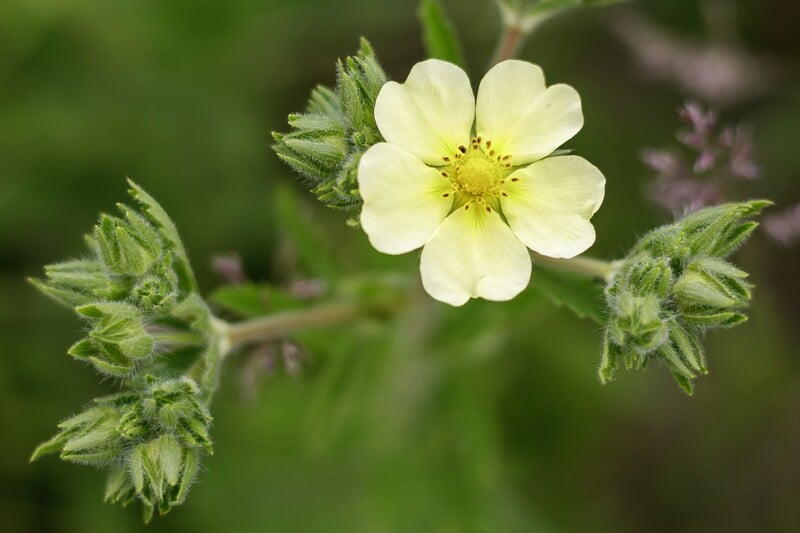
pixel 118 341
pixel 152 436
pixel 129 246
pixel 638 322
pixel 674 285
pixel 710 290
pixel 77 282
pixel 326 142
pixel 89 437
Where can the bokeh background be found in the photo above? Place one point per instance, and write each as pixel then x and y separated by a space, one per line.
pixel 487 418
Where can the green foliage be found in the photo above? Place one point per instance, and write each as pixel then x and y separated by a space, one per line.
pixel 439 34
pixel 326 142
pixel 581 295
pixel 251 300
pixel 674 285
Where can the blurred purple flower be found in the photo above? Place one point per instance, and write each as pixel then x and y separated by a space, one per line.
pixel 695 176
pixel 229 268
pixel 784 227
pixel 739 144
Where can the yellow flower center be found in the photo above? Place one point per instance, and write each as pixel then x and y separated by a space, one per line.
pixel 476 175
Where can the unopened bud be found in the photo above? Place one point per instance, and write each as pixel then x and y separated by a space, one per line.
pixel 638 323
pixel 118 341
pixel 127 247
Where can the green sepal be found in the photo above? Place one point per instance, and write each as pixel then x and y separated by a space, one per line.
pixel 689 347
pixel 119 488
pixel 73 283
pixel 609 360
pixel 170 452
pixel 53 445
pixel 706 318
pixel 191 466
pixel 159 218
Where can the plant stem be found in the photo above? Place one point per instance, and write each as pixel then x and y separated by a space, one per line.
pixel 273 326
pixel 509 44
pixel 589 266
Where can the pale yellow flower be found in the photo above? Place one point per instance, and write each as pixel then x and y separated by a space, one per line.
pixel 476 199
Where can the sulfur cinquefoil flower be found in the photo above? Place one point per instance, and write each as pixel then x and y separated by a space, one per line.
pixel 477 198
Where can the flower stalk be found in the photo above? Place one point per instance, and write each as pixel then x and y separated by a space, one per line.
pixel 588 266
pixel 509 44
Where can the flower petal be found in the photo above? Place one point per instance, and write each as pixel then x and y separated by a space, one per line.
pixel 521 117
pixel 473 254
pixel 549 204
pixel 404 199
pixel 429 115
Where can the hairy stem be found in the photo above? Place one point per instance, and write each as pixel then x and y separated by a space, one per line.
pixel 589 266
pixel 273 326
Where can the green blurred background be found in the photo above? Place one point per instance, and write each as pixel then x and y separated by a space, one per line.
pixel 486 418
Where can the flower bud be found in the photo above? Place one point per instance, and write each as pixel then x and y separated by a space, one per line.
pixel 638 323
pixel 118 341
pixel 89 437
pixel 674 284
pixel 710 291
pixel 74 283
pixel 127 247
pixel 649 275
pixel 157 292
pixel 326 143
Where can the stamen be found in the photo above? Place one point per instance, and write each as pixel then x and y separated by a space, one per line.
pixel 462 148
pixel 445 174
pixel 488 209
pixel 446 159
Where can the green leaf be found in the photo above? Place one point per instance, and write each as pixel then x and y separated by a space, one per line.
pixel 252 300
pixel 581 295
pixel 314 252
pixel 439 35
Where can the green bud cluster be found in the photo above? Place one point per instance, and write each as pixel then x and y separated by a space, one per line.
pixel 326 142
pixel 674 285
pixel 151 439
pixel 134 278
pixel 149 329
